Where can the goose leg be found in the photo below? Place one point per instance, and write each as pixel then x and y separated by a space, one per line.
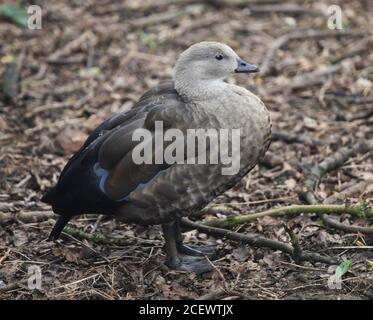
pixel 190 249
pixel 172 257
pixel 181 262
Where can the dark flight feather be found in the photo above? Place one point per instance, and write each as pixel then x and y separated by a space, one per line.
pixel 78 190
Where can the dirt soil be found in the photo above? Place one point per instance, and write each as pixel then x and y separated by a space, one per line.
pixel 93 58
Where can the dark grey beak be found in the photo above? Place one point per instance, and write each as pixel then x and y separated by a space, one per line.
pixel 244 67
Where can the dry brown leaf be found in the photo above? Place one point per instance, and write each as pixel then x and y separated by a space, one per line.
pixel 70 140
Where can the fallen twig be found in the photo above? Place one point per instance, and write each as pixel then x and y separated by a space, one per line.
pixel 347 99
pixel 2 259
pixel 26 217
pixel 344 227
pixel 4 206
pixel 294 138
pixel 222 292
pixel 288 8
pixel 350 248
pixel 257 241
pixel 12 286
pixel 214 295
pixel 302 35
pixel 94 237
pixel 363 115
pixel 162 4
pixel 305 80
pixel 359 187
pixel 72 46
pixel 365 45
pixel 318 171
pixel 232 221
pixel 156 18
pixel 297 251
pixel 331 163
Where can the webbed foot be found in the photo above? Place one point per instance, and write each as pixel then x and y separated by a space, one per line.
pixel 198 265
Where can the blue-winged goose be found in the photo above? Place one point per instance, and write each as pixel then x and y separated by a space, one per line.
pixel 102 177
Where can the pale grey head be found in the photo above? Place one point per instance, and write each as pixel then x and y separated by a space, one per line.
pixel 205 65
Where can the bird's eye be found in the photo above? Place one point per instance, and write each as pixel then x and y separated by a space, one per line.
pixel 219 57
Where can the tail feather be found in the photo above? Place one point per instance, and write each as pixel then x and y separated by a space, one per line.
pixel 58 227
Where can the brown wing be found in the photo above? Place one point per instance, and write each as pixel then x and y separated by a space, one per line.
pixel 120 174
pixel 101 173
